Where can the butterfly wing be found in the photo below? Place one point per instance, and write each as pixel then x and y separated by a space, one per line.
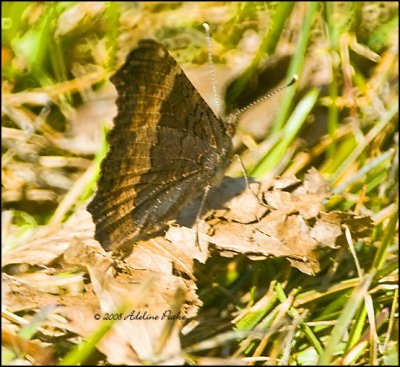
pixel 165 147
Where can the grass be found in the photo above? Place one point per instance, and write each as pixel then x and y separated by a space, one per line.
pixel 341 117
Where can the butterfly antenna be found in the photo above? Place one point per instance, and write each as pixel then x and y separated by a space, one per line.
pixel 212 69
pixel 234 115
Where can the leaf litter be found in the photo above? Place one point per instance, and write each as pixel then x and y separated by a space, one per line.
pixel 155 286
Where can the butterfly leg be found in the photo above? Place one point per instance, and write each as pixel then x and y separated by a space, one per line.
pixel 246 179
pixel 203 200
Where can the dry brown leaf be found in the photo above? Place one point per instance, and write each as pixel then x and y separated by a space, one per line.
pixel 290 224
pixel 147 283
pixel 33 348
pixel 78 315
pixel 146 290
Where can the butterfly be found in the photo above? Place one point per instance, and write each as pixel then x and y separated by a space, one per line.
pixel 165 148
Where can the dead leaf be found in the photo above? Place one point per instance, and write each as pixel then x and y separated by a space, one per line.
pixel 291 223
pixel 38 352
pixel 147 283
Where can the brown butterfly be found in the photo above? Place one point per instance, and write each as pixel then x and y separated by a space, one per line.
pixel 166 147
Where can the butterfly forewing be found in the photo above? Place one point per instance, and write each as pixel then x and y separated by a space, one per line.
pixel 165 148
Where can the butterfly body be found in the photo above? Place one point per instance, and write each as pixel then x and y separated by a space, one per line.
pixel 166 146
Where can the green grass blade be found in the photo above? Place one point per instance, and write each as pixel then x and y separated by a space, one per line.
pixel 344 320
pixel 386 119
pixel 78 355
pixel 293 126
pixel 296 65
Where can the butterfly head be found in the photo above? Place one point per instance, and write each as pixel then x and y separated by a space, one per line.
pixel 230 122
